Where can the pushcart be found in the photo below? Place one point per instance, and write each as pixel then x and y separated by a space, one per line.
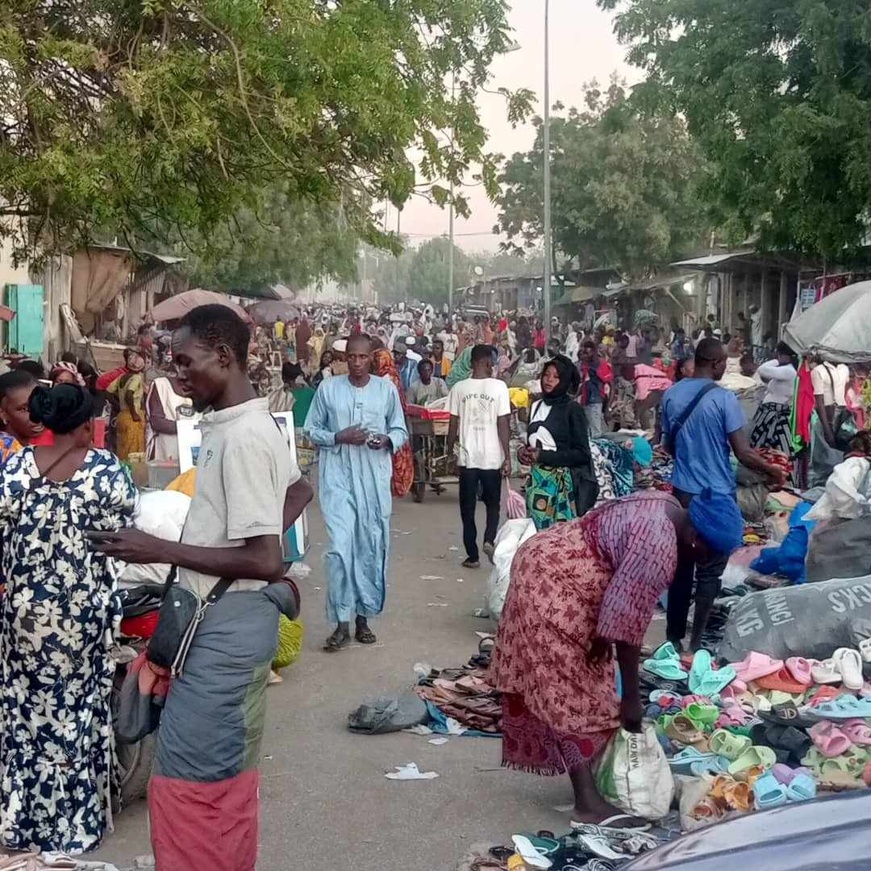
pixel 429 437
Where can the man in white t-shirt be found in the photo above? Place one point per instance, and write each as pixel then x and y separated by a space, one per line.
pixel 479 408
pixel 830 386
pixel 449 341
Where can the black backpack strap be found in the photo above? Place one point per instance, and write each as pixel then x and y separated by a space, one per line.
pixel 678 424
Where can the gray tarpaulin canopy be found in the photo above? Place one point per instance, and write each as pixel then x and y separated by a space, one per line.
pixel 838 326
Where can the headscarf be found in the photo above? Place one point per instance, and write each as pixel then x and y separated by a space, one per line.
pixel 569 380
pixel 383 365
pixel 461 369
pixel 64 366
pixel 718 521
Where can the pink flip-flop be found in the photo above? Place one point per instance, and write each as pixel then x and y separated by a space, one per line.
pixel 756 665
pixel 800 669
pixel 857 731
pixel 829 739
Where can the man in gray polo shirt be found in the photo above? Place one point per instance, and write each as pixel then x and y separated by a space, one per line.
pixel 203 798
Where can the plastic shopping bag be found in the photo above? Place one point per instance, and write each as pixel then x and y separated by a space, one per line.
pixel 634 775
pixel 511 535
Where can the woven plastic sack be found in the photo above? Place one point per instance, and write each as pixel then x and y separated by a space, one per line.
pixel 290 635
pixel 633 774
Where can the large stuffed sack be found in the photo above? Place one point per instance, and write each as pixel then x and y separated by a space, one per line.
pixel 510 536
pixel 810 620
pixel 290 635
pixel 161 513
pixel 633 774
pixel 839 549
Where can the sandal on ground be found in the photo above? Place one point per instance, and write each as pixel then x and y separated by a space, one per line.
pixel 769 792
pixel 614 832
pixel 753 756
pixel 726 744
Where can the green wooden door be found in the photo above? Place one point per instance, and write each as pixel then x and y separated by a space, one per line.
pixel 26 329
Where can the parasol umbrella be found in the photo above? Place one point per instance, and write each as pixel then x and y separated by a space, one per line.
pixel 271 310
pixel 839 326
pixel 178 306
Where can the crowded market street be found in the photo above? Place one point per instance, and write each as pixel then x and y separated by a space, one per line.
pixel 325 800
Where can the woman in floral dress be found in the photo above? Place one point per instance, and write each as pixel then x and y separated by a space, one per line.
pixel 59 616
pixel 578 590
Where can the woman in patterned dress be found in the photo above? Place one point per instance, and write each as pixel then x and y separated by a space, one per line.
pixel 58 619
pixel 578 590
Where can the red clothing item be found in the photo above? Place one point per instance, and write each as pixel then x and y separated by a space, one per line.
pixel 804 406
pixel 106 379
pixel 539 340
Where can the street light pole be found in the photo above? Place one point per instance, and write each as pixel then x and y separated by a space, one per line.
pixel 451 211
pixel 546 169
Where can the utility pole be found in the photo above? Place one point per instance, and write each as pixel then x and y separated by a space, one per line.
pixel 548 248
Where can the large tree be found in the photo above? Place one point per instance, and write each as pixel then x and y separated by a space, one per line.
pixel 622 187
pixel 778 94
pixel 422 273
pixel 153 116
pixel 275 242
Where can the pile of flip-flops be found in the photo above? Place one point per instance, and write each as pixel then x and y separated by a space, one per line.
pixel 761 732
pixel 587 847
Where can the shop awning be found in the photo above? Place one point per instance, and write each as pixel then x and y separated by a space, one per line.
pixel 578 295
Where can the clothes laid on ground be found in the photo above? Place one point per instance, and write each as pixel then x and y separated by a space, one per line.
pixel 702 452
pixel 467 694
pixel 354 491
pixel 598 576
pixel 61 613
pixel 478 403
pixel 614 469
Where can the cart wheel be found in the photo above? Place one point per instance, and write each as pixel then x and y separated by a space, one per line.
pixel 417 491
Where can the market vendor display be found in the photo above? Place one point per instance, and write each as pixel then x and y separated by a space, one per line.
pixel 576 590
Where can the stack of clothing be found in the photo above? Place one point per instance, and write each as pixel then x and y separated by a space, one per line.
pixel 465 695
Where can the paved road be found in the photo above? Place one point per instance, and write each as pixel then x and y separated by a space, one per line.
pixel 325 801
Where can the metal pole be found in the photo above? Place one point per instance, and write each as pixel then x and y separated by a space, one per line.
pixel 399 236
pixel 546 169
pixel 451 213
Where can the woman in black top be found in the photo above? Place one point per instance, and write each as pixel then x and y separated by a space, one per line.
pixel 562 483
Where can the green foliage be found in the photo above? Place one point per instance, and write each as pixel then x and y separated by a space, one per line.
pixel 169 117
pixel 622 187
pixel 279 242
pixel 778 95
pixel 422 273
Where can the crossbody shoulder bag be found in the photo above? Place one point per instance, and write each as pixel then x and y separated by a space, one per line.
pixel 671 436
pixel 180 615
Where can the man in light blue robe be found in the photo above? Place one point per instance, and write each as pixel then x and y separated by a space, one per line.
pixel 357 422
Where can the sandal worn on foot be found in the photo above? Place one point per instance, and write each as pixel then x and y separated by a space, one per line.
pixel 364 635
pixel 337 641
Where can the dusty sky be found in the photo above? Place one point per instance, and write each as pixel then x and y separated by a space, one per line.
pixel 582 47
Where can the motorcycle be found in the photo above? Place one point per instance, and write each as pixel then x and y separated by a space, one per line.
pixel 134 761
